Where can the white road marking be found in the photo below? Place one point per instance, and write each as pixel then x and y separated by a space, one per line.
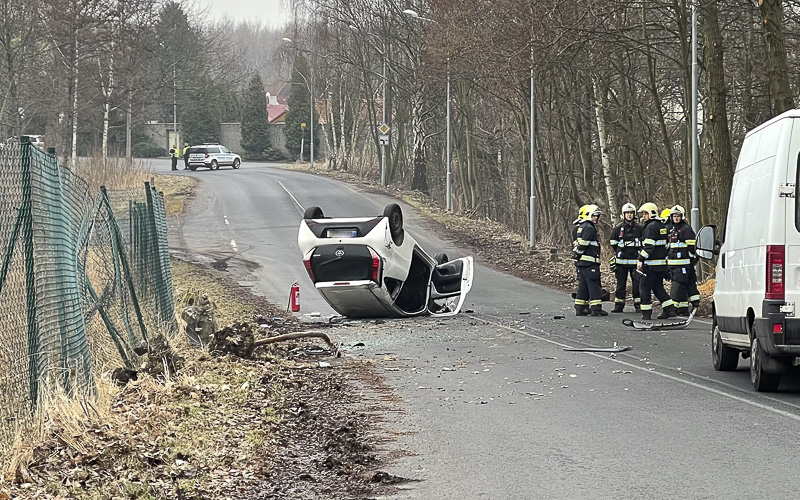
pixel 233 244
pixel 226 220
pixel 667 376
pixel 290 195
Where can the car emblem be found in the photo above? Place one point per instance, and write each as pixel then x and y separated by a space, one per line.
pixel 339 253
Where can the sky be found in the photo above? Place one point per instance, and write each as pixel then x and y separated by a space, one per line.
pixel 267 12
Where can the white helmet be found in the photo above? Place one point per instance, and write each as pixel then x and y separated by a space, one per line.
pixel 628 207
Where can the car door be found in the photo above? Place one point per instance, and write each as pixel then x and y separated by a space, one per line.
pixel 450 283
pixel 227 156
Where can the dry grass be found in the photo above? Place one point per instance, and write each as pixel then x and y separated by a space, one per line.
pixel 113 173
pixel 177 189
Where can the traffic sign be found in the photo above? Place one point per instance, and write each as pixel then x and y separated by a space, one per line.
pixel 303 125
pixel 383 139
pixel 383 128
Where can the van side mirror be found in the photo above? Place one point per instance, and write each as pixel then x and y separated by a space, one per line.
pixel 706 244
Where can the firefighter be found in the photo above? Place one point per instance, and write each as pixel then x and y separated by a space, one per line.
pixel 587 255
pixel 626 243
pixel 653 263
pixel 681 247
pixel 581 305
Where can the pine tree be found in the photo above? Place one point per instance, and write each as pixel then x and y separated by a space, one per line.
pixel 299 111
pixel 255 122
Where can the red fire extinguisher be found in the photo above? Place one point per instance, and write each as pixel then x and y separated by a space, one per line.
pixel 294 297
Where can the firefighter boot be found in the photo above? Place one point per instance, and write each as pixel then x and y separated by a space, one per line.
pixel 668 312
pixel 598 311
pixel 637 307
pixel 647 315
pixel 683 311
pixel 618 307
pixel 581 310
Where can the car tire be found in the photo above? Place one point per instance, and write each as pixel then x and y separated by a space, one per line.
pixel 192 168
pixel 214 165
pixel 236 163
pixel 725 358
pixel 440 258
pixel 395 216
pixel 762 381
pixel 313 213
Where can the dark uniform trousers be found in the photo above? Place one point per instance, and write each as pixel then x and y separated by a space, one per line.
pixel 653 283
pixel 622 273
pixel 590 292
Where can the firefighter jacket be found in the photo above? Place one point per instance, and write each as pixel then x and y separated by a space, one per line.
pixel 654 245
pixel 587 247
pixel 626 241
pixel 681 248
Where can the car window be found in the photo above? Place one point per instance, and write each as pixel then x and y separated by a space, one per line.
pixel 196 150
pixel 213 150
pixel 225 150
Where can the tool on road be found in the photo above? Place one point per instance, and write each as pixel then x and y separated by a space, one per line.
pixel 659 325
pixel 615 348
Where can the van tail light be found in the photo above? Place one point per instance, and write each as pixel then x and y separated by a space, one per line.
pixel 376 266
pixel 307 263
pixel 775 272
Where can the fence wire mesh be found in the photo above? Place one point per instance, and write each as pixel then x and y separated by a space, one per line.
pixel 84 279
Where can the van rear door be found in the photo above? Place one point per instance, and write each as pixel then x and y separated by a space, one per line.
pixel 789 193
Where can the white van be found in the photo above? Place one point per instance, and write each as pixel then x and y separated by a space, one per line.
pixel 758 271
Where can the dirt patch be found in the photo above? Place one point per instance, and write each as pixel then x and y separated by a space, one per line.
pixel 280 421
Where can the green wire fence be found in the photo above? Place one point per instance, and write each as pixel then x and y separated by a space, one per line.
pixel 84 279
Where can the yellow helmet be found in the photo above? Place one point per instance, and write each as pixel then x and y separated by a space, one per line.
pixel 581 214
pixel 665 214
pixel 650 208
pixel 591 210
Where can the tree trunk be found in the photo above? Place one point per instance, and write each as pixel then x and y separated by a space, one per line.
pixel 715 112
pixel 777 67
pixel 599 108
pixel 419 180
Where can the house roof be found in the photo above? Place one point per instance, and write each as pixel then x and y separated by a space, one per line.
pixel 277 113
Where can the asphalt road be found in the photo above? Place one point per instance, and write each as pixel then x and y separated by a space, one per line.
pixel 489 404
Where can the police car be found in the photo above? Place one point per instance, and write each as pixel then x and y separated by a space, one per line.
pixel 212 156
pixel 372 267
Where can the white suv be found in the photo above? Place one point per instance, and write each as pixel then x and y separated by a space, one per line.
pixel 212 156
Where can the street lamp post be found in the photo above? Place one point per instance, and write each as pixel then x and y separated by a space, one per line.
pixel 448 206
pixel 695 219
pixel 175 105
pixel 310 86
pixel 532 207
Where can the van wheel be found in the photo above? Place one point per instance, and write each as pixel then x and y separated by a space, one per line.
pixel 313 213
pixel 762 381
pixel 395 216
pixel 725 358
pixel 440 258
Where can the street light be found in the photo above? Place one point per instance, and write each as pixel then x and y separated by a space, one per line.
pixel 383 103
pixel 413 14
pixel 310 86
pixel 532 206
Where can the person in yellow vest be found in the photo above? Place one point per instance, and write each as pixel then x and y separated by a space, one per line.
pixel 174 153
pixel 186 156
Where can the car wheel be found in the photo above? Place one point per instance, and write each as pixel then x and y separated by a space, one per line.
pixel 762 381
pixel 440 257
pixel 725 358
pixel 192 168
pixel 236 163
pixel 395 216
pixel 214 165
pixel 313 213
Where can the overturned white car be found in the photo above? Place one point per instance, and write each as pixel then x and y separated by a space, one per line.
pixel 372 267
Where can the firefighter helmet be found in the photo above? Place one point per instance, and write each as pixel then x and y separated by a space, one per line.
pixel 665 213
pixel 650 208
pixel 590 211
pixel 581 213
pixel 628 207
pixel 677 209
